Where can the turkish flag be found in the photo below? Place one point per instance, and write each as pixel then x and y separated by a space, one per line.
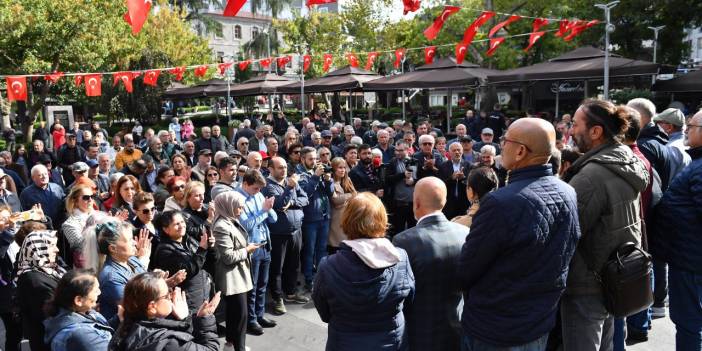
pixel 399 55
pixel 461 52
pixel 371 60
pixel 352 59
pixel 54 77
pixel 136 74
pixel 306 61
pixel 137 12
pixel 93 84
pixel 151 77
pixel 233 7
pixel 538 23
pixel 533 38
pixel 410 6
pixel 564 26
pixel 429 54
pixel 265 63
pixel 78 80
pixel 125 78
pixel 16 88
pixel 505 23
pixel 433 30
pixel 223 67
pixel 472 30
pixel 281 62
pixel 328 58
pixel 579 29
pixel 178 72
pixel 318 2
pixel 200 71
pixel 243 65
pixel 494 44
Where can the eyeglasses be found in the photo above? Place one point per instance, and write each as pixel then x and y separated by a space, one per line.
pixel 179 187
pixel 296 152
pixel 86 197
pixel 148 210
pixel 213 175
pixel 244 143
pixel 324 154
pixel 517 142
pixel 693 125
pixel 425 144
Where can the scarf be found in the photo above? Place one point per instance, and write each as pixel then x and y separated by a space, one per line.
pixel 34 255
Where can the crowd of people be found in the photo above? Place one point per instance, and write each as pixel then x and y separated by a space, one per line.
pixel 491 237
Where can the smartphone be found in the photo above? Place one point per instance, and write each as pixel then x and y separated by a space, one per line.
pixel 263 243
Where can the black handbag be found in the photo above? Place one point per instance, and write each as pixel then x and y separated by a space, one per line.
pixel 626 281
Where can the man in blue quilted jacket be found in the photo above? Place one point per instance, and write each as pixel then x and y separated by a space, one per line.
pixel 514 264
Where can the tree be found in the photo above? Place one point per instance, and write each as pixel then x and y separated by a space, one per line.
pixel 194 9
pixel 76 36
pixel 269 44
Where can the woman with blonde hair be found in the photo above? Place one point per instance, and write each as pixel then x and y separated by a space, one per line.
pixel 176 187
pixel 343 191
pixel 80 204
pixel 233 271
pixel 362 289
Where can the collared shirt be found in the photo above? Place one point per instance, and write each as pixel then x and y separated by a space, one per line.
pixel 427 216
pixel 112 279
pixel 51 200
pixel 253 217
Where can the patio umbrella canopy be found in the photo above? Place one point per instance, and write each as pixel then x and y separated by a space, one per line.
pixel 203 89
pixel 260 85
pixel 580 64
pixel 344 79
pixel 691 82
pixel 443 73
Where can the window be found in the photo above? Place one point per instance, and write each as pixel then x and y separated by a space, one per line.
pixel 699 47
pixel 254 32
pixel 220 56
pixel 237 32
pixel 218 35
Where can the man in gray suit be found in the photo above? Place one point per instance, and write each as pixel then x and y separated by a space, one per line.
pixel 433 247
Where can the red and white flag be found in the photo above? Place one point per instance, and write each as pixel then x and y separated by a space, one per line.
pixel 178 73
pixel 233 7
pixel 310 3
pixel 535 33
pixel 472 30
pixel 265 63
pixel 328 58
pixel 494 44
pixel 564 26
pixel 505 23
pixel 151 77
pixel 243 65
pixel 126 79
pixel 78 80
pixel 429 54
pixel 93 84
pixel 399 56
pixel 306 61
pixel 16 88
pixel 137 12
pixel 200 71
pixel 223 67
pixel 461 52
pixel 581 27
pixel 410 6
pixel 371 60
pixel 433 30
pixel 54 77
pixel 352 59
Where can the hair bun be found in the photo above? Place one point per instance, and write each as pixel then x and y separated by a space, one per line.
pixel 621 119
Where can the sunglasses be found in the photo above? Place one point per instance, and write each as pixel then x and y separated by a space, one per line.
pixel 213 175
pixel 179 187
pixel 86 197
pixel 425 144
pixel 148 210
pixel 296 152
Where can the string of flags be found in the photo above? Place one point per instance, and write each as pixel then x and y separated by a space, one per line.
pixel 138 10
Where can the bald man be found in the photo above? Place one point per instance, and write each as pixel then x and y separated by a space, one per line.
pixel 679 216
pixel 513 265
pixel 433 247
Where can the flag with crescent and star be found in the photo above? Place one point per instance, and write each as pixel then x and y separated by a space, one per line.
pixel 494 44
pixel 371 60
pixel 93 84
pixel 125 78
pixel 151 77
pixel 200 71
pixel 265 63
pixel 16 88
pixel 433 30
pixel 223 67
pixel 461 52
pixel 399 57
pixel 579 28
pixel 137 12
pixel 53 77
pixel 410 6
pixel 429 54
pixel 178 73
pixel 352 59
pixel 243 65
pixel 309 3
pixel 472 30
pixel 306 61
pixel 328 58
pixel 78 80
pixel 535 33
pixel 233 7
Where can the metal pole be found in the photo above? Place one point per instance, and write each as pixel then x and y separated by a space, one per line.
pixel 402 70
pixel 450 111
pixel 268 39
pixel 608 29
pixel 655 47
pixel 558 96
pixel 302 83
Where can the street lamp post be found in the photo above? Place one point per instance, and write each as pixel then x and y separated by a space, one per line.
pixel 608 29
pixel 655 46
pixel 301 50
pixel 229 74
pixel 402 71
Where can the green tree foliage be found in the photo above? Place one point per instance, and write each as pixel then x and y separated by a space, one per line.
pixel 91 36
pixel 195 9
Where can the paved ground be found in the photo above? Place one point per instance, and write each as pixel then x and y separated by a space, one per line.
pixel 301 330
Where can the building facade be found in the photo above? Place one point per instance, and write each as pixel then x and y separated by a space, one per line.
pixel 694 38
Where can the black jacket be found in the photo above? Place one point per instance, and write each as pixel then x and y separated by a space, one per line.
pixel 421 172
pixel 213 144
pixel 362 182
pixel 652 143
pixel 172 256
pixel 288 205
pixel 196 223
pixel 456 198
pixel 170 335
pixel 34 289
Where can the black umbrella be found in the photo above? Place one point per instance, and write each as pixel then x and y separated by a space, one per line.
pixel 441 74
pixel 344 79
pixel 203 89
pixel 691 82
pixel 260 85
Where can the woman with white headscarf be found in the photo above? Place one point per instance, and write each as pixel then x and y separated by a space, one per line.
pixel 38 273
pixel 232 270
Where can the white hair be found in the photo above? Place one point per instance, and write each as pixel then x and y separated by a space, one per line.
pixel 383 131
pixel 357 140
pixel 377 153
pixel 644 106
pixel 488 150
pixel 246 123
pixel 425 138
pixel 38 168
pixel 219 155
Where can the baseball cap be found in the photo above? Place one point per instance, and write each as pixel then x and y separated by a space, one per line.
pixel 70 135
pixel 487 131
pixel 326 134
pixel 466 139
pixel 205 152
pixel 79 167
pixel 671 115
pixel 264 155
pixel 91 163
pixel 234 153
pixel 44 159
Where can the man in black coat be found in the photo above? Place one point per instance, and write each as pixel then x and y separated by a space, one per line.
pixel 428 159
pixel 433 248
pixel 68 154
pixel 208 142
pixel 454 172
pixel 364 175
